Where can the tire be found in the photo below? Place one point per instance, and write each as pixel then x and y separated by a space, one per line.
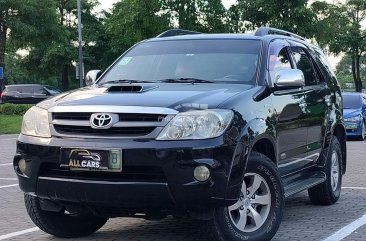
pixel 61 224
pixel 227 224
pixel 328 192
pixel 363 132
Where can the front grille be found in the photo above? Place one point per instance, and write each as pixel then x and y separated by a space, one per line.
pixel 71 116
pixel 122 117
pixel 128 174
pixel 144 125
pixel 114 131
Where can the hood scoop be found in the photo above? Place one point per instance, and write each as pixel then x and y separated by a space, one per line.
pixel 130 88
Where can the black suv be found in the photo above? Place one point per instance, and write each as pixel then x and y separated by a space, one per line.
pixel 27 94
pixel 216 127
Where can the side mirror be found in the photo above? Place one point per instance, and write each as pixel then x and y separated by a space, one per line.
pixel 92 76
pixel 289 78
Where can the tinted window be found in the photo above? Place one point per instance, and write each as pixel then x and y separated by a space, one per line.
pixel 323 64
pixel 215 60
pixel 351 102
pixel 20 89
pixel 304 63
pixel 279 62
pixel 39 90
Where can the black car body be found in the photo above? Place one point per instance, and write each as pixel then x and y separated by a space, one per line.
pixel 293 126
pixel 27 93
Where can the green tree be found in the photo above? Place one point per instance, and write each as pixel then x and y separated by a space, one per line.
pixel 132 21
pixel 339 28
pixel 290 15
pixel 344 70
pixel 25 23
pixel 197 15
pixel 55 60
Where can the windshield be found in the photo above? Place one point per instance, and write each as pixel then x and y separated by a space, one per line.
pixel 351 102
pixel 211 60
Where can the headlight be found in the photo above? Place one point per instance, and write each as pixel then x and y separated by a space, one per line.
pixel 35 123
pixel 192 125
pixel 353 119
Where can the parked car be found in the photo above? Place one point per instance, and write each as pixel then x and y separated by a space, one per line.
pixel 354 114
pixel 216 127
pixel 27 93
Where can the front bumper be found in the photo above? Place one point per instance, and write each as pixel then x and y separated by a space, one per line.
pixel 353 128
pixel 156 174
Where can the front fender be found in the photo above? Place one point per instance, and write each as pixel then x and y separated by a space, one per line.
pixel 255 130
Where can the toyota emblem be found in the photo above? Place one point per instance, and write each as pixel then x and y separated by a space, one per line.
pixel 103 120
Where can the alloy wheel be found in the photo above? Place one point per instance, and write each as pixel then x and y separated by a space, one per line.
pixel 334 171
pixel 252 209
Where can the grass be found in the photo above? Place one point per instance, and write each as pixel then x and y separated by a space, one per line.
pixel 10 124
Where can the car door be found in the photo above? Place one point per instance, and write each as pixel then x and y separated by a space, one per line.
pixel 290 109
pixel 316 93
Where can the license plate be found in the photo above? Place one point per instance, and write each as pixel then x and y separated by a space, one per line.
pixel 351 126
pixel 91 160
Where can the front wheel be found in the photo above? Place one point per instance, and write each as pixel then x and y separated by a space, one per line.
pixel 258 213
pixel 62 224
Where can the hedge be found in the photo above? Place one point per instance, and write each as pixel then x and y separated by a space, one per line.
pixel 14 109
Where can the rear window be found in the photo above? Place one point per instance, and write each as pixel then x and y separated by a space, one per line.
pixel 352 102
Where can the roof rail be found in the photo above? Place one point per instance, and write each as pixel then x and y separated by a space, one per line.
pixel 262 31
pixel 176 32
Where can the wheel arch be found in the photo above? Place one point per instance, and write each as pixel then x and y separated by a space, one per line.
pixel 265 145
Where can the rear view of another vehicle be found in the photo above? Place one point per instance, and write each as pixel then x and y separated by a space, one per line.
pixel 27 94
pixel 354 114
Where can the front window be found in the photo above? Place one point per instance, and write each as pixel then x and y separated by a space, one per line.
pixel 233 61
pixel 351 102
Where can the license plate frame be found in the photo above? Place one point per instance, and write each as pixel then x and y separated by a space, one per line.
pixel 89 160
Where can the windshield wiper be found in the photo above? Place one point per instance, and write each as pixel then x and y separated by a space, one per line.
pixel 186 80
pixel 130 81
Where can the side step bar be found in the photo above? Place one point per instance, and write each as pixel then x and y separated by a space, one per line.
pixel 303 184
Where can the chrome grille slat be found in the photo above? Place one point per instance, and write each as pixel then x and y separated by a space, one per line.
pixel 133 123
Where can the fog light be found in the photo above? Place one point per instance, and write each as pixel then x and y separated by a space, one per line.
pixel 201 173
pixel 22 165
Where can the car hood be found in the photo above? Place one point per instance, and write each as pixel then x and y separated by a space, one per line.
pixel 351 112
pixel 178 96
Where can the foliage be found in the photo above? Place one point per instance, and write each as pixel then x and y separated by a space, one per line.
pixel 14 109
pixel 47 30
pixel 290 15
pixel 25 22
pixel 132 21
pixel 348 37
pixel 198 15
pixel 10 124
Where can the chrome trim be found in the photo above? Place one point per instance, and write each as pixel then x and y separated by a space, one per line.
pixel 101 182
pixel 151 135
pixel 112 109
pixel 118 124
pixel 70 123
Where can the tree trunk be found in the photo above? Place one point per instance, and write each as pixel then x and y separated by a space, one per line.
pixel 3 31
pixel 65 77
pixel 2 48
pixel 356 73
pixel 359 81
